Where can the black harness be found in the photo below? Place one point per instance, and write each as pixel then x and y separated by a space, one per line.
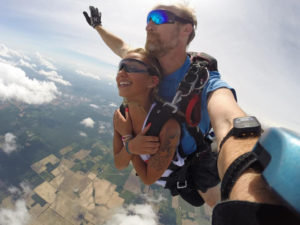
pixel 185 108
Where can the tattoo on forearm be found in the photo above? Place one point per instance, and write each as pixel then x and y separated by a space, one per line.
pixel 165 152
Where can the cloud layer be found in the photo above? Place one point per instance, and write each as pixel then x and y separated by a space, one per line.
pixel 87 74
pixel 134 215
pixel 17 216
pixel 88 122
pixel 15 85
pixel 9 144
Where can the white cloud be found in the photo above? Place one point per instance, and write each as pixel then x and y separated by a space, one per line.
pixel 10 53
pixel 9 144
pixel 88 122
pixel 52 75
pixel 14 190
pixel 134 215
pixel 44 61
pixel 153 199
pixel 17 216
pixel 94 106
pixel 87 74
pixel 82 134
pixel 26 64
pixel 25 188
pixel 15 85
pixel 113 105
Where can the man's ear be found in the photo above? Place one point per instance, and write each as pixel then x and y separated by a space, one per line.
pixel 188 29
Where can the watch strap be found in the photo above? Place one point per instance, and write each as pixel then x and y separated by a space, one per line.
pixel 228 135
pixel 235 170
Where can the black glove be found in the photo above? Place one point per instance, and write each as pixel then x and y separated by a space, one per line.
pixel 95 18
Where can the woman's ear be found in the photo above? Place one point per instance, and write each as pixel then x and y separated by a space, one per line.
pixel 154 82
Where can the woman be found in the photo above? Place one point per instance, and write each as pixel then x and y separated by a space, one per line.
pixel 137 79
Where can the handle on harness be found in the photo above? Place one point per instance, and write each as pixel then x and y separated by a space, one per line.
pixel 193 111
pixel 190 80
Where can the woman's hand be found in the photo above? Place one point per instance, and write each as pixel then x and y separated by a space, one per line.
pixel 122 125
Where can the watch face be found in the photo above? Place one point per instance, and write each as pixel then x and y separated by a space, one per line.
pixel 244 122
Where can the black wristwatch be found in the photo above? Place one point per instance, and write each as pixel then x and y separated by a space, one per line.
pixel 243 127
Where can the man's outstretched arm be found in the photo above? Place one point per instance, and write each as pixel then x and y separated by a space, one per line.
pixel 116 44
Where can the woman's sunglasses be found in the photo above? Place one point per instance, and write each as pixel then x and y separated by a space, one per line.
pixel 136 66
pixel 160 16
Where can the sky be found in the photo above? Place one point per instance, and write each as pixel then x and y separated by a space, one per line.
pixel 256 43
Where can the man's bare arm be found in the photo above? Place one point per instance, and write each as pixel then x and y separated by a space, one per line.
pixel 116 44
pixel 222 109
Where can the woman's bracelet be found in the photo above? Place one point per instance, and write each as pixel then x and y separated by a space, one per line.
pixel 126 147
pixel 126 138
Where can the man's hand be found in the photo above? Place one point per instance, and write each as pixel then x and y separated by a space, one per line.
pixel 122 125
pixel 95 18
pixel 142 144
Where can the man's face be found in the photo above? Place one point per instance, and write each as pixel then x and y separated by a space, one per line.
pixel 162 38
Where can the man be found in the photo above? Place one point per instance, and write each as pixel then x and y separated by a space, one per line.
pixel 168 42
pixel 167 39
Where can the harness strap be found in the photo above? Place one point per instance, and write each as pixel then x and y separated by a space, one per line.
pixel 201 142
pixel 158 116
pixel 178 178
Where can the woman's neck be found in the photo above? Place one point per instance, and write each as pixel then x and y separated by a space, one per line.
pixel 138 112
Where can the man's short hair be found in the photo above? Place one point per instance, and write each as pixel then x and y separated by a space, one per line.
pixel 183 11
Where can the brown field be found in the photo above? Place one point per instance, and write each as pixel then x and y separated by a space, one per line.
pixel 133 183
pixel 81 154
pixel 73 198
pixel 87 198
pixel 65 150
pixel 46 192
pixel 68 208
pixel 40 166
pixel 50 217
pixel 63 166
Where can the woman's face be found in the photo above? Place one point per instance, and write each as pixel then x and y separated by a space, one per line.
pixel 133 79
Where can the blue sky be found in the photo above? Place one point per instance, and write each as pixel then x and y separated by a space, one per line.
pixel 256 43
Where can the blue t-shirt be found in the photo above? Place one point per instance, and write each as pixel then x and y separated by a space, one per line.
pixel 167 91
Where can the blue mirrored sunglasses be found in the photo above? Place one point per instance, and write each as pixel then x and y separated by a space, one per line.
pixel 135 66
pixel 160 16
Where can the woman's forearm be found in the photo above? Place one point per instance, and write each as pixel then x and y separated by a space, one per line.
pixel 121 156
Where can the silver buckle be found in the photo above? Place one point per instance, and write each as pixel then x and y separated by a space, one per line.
pixel 172 106
pixel 183 186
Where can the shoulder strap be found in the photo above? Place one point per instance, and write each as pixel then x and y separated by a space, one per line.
pixel 205 59
pixel 122 109
pixel 186 103
pixel 158 117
